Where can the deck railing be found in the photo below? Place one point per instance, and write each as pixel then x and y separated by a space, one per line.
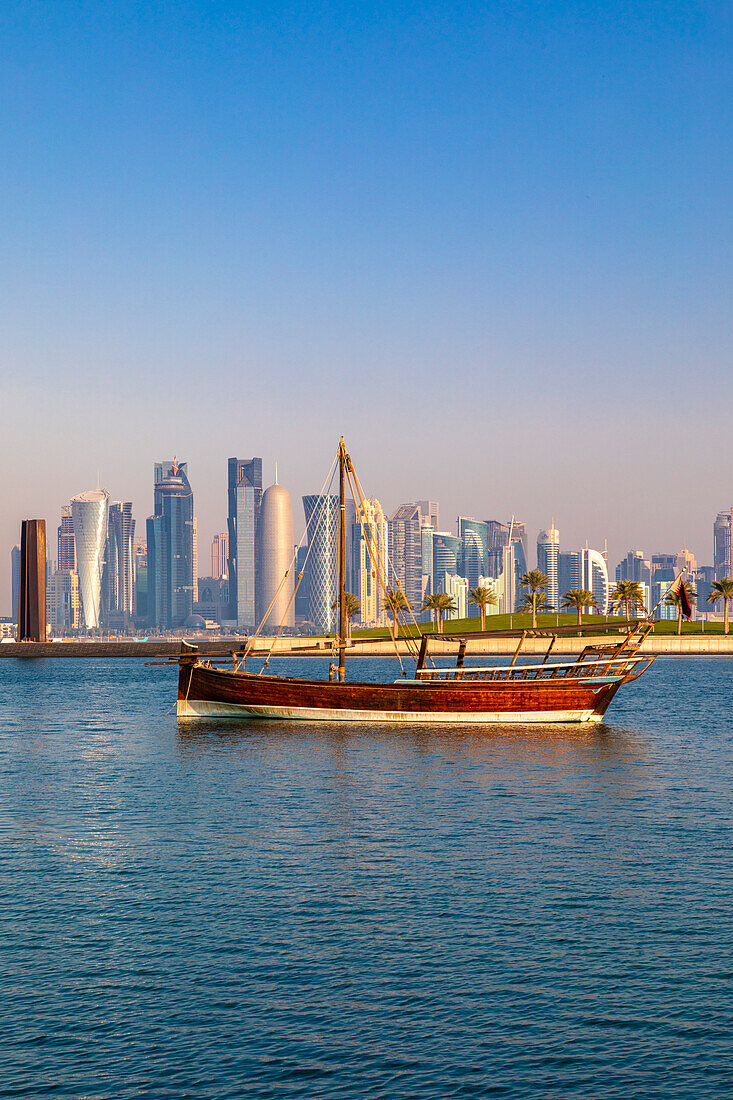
pixel 585 670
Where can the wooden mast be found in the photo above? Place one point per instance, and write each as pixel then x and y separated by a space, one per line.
pixel 342 561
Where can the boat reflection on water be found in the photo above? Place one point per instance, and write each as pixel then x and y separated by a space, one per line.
pixel 618 753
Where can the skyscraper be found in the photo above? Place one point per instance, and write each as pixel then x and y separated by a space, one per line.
pixel 66 546
pixel 275 591
pixel 475 538
pixel 32 581
pixel 220 555
pixel 548 548
pixel 404 532
pixel 15 580
pixel 170 548
pixel 447 557
pixel 634 567
pixel 430 511
pixel 369 532
pixel 722 545
pixel 90 512
pixel 121 560
pixel 594 577
pixel 322 521
pixel 244 497
pixel 569 572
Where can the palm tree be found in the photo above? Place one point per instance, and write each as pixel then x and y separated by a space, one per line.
pixel 440 603
pixel 534 602
pixel 674 599
pixel 535 582
pixel 483 597
pixel 395 601
pixel 629 594
pixel 353 607
pixel 579 598
pixel 722 590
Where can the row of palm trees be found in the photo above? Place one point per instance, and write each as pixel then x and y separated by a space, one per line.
pixel 626 594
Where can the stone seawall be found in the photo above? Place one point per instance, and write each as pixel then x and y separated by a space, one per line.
pixel 712 645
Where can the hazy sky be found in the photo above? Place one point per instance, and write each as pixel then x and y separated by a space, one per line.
pixel 491 243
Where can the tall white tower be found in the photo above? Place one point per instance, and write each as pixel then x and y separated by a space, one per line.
pixel 275 558
pixel 90 513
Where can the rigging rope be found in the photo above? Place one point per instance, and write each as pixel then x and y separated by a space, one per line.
pixel 382 569
pixel 325 490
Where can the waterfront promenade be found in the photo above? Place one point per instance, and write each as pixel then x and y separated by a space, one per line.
pixel 704 645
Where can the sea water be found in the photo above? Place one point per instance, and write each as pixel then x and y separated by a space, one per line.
pixel 264 909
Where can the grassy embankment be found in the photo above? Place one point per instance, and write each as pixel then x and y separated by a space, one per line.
pixel 547 622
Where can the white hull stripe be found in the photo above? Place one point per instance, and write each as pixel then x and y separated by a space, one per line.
pixel 198 708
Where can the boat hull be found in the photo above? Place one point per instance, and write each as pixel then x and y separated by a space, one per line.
pixel 205 692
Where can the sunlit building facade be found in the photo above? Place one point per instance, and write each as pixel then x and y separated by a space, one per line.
pixel 275 560
pixel 90 515
pixel 370 532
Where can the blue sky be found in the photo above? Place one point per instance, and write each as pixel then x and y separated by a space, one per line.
pixel 491 243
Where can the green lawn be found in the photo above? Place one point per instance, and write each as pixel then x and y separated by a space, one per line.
pixel 524 622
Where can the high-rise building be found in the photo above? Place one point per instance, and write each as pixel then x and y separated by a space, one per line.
pixel 594 577
pixel 548 549
pixel 722 545
pixel 663 567
pixel 447 556
pixel 369 533
pixel 140 553
pixel 66 546
pixel 475 538
pixel 220 555
pixel 404 532
pixel 15 581
pixel 65 601
pixel 686 560
pixel 634 567
pixel 32 582
pixel 170 548
pixel 121 560
pixel 322 522
pixel 569 572
pixel 497 534
pixel 244 497
pixel 457 588
pixel 90 513
pixel 430 512
pixel 195 556
pixel 275 589
pixel 302 586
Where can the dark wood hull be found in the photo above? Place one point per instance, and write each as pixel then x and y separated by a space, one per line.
pixel 204 691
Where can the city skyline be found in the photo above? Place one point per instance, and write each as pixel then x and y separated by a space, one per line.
pixel 703 553
pixel 466 556
pixel 493 249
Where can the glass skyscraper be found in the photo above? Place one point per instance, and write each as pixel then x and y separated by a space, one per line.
pixel 121 560
pixel 475 536
pixel 548 549
pixel 170 548
pixel 322 521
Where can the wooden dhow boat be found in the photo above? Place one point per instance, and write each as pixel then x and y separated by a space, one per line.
pixel 578 690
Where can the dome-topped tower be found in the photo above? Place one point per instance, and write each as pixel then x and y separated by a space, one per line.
pixel 276 554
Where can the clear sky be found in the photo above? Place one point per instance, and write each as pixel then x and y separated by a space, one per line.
pixel 491 243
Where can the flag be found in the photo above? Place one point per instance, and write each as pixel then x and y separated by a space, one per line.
pixel 678 585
